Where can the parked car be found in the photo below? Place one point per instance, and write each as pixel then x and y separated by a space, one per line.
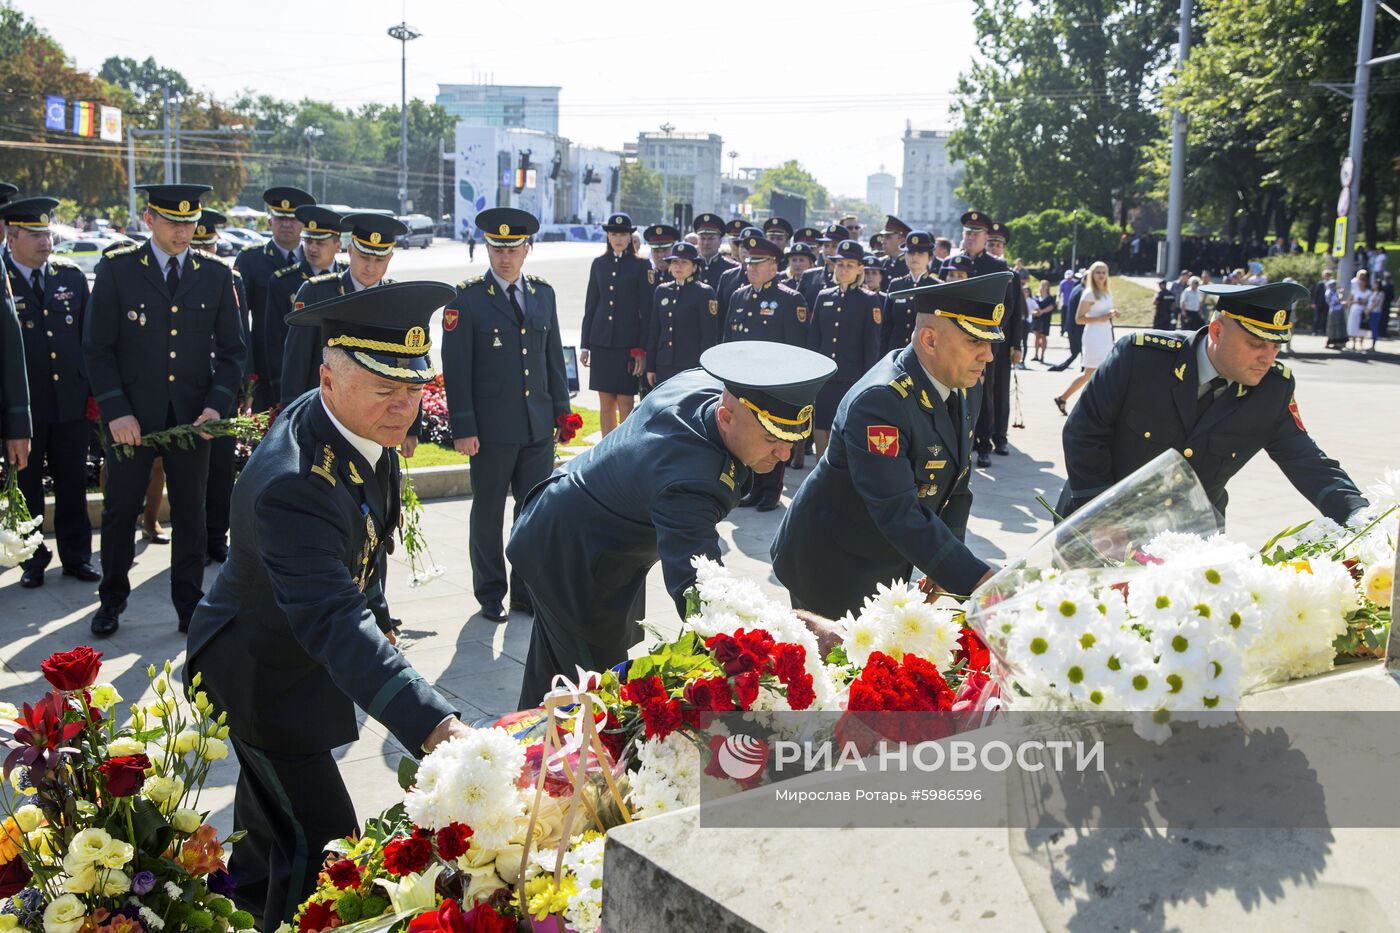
pixel 227 245
pixel 242 237
pixel 420 231
pixel 85 253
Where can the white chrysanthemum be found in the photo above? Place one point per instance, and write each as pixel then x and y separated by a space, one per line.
pixel 470 779
pixel 1385 494
pixel 1171 544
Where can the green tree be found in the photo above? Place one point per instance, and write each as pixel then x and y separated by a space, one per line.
pixel 1053 235
pixel 1062 103
pixel 145 80
pixel 639 190
pixel 790 178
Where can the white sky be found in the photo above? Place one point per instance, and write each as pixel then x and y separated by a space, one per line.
pixel 727 68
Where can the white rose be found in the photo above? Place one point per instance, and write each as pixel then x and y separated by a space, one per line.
pixel 28 817
pixel 185 820
pixel 213 750
pixel 64 914
pixel 115 854
pixel 125 745
pixel 87 845
pixel 81 881
pixel 115 882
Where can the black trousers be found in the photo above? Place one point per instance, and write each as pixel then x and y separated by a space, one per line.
pixel 499 470
pixel 64 445
pixel 995 416
pixel 186 477
pixel 219 492
pixel 290 806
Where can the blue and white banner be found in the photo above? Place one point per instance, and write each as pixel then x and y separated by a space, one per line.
pixel 55 108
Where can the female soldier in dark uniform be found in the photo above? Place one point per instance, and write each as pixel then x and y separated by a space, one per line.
pixel 855 346
pixel 619 291
pixel 685 319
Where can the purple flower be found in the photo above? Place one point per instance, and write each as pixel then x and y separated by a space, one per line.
pixel 221 882
pixel 143 882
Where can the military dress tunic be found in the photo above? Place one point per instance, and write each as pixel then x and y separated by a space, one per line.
pixel 281 293
pixel 301 356
pixel 652 490
pixel 614 311
pixel 685 322
pixel 1142 401
pixel 711 271
pixel 898 315
pixel 845 327
pixel 257 264
pixel 889 496
pixel 768 312
pixel 14 383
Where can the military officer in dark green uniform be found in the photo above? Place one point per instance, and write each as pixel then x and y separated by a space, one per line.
pixel 1218 396
pixel 709 235
pixel 652 490
pixel 503 368
pixel 684 317
pixel 219 491
pixel 50 299
pixel 256 264
pixel 897 317
pixel 163 346
pixel 846 328
pixel 890 495
pixel 372 238
pixel 320 244
pixel 288 642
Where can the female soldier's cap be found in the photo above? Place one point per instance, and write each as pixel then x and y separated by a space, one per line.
pixel 976 305
pixel 384 329
pixel 777 382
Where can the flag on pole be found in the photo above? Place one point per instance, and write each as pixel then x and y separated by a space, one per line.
pixel 111 124
pixel 54 110
pixel 84 119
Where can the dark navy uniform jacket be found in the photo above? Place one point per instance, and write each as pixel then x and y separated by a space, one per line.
pixel 281 293
pixel 614 309
pixel 14 383
pixel 730 282
pixel 846 327
pixel 769 312
pixel 895 267
pixel 148 352
pixel 52 325
pixel 505 380
pixel 1142 401
pixel 652 490
pixel 287 639
pixel 711 272
pixel 897 317
pixel 301 354
pixel 257 265
pixel 814 280
pixel 889 496
pixel 685 322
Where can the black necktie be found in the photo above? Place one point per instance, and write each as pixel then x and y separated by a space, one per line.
pixel 1208 396
pixel 955 409
pixel 36 283
pixel 381 474
pixel 172 276
pixel 519 311
pixel 291 258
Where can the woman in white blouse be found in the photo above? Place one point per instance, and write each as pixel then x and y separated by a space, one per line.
pixel 1096 314
pixel 1359 303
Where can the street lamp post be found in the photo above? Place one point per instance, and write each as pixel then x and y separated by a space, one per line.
pixel 404 33
pixel 733 181
pixel 310 134
pixel 666 128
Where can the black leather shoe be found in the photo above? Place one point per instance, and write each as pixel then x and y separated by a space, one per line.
pixel 766 506
pixel 106 620
pixel 82 572
pixel 1003 450
pixel 218 551
pixel 798 460
pixel 494 611
pixel 523 606
pixel 748 501
pixel 983 460
pixel 32 579
pixel 184 626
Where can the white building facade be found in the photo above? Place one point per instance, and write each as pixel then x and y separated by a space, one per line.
pixel 927 197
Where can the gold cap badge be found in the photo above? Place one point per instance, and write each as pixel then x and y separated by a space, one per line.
pixel 286 204
pixel 1280 318
pixel 184 206
pixel 416 337
pixel 503 229
pixel 311 225
pixel 375 238
pixel 998 313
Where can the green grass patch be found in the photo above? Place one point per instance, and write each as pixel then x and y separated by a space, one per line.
pixel 431 455
pixel 1134 303
pixel 590 427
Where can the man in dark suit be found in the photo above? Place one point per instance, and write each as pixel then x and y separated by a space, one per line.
pixel 653 490
pixel 50 298
pixel 15 424
pixel 984 240
pixel 256 264
pixel 1218 396
pixel 163 346
pixel 372 239
pixel 503 369
pixel 288 641
pixel 320 243
pixel 890 495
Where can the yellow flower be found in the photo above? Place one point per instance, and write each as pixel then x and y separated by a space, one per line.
pixel 213 750
pixel 185 820
pixel 1378 583
pixel 115 854
pixel 164 792
pixel 201 701
pixel 125 745
pixel 87 845
pixel 64 914
pixel 186 741
pixel 29 818
pixel 42 841
pixel 81 878
pixel 1299 566
pixel 105 696
pixel 115 882
pixel 9 711
pixel 9 840
pixel 8 922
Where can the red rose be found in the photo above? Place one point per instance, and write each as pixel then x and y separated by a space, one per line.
pixel 344 874
pixel 409 856
pixel 971 650
pixel 124 774
pixel 14 876
pixel 90 411
pixel 446 919
pixel 73 670
pixel 569 424
pixel 746 689
pixel 452 840
pixel 483 918
pixel 317 916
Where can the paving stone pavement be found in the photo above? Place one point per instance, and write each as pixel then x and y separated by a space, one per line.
pixel 1349 403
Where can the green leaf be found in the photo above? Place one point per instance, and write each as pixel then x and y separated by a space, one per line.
pixel 837 656
pixel 152 830
pixel 407 772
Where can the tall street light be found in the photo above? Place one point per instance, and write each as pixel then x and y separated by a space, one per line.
pixel 666 128
pixel 404 33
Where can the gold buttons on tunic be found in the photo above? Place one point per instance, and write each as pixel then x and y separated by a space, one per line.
pixel 172 377
pixel 174 332
pixel 1146 433
pixel 172 354
pixel 1188 451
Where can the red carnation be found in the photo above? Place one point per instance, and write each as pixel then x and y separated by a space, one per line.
pixel 124 774
pixel 569 424
pixel 742 651
pixel 73 670
pixel 317 916
pixel 452 840
pixel 972 652
pixel 610 732
pixel 746 689
pixel 410 855
pixel 90 411
pixel 642 689
pixel 712 694
pixel 344 874
pixel 662 717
